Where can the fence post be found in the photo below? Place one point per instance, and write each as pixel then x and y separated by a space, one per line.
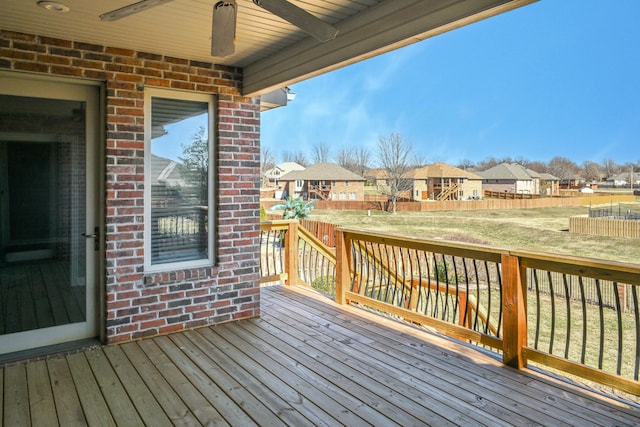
pixel 342 267
pixel 291 253
pixel 514 335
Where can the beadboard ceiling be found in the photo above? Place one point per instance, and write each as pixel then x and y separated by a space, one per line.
pixel 272 52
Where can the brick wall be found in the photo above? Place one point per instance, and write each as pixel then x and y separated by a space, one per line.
pixel 139 304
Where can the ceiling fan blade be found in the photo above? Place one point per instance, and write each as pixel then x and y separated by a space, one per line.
pixel 302 19
pixel 223 28
pixel 131 9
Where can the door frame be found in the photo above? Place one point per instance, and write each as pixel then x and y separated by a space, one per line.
pixel 93 93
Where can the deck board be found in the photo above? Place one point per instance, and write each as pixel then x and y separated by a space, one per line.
pixel 96 409
pixel 306 361
pixel 67 400
pixel 41 403
pixel 201 408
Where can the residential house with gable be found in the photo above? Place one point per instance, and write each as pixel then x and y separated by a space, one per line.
pixel 624 179
pixel 274 174
pixel 515 178
pixel 324 181
pixel 440 181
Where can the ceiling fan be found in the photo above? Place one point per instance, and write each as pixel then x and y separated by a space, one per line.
pixel 224 13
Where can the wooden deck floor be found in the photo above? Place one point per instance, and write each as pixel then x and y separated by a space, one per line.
pixel 305 362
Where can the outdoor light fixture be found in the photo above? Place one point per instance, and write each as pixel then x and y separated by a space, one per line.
pixel 53 6
pixel 131 9
pixel 223 28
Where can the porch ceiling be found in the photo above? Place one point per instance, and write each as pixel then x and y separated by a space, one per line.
pixel 272 52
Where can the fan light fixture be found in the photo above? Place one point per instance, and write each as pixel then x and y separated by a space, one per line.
pixel 54 6
pixel 223 28
pixel 131 9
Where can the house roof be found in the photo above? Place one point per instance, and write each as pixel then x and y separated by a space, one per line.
pixel 377 174
pixel 283 168
pixel 440 170
pixel 323 172
pixel 549 177
pixel 624 176
pixel 508 171
pixel 165 172
pixel 272 52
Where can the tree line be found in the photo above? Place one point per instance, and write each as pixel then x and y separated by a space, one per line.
pixel 395 153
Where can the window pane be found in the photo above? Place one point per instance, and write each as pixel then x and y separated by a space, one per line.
pixel 179 180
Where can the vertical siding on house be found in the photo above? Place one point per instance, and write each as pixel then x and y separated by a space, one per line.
pixel 140 304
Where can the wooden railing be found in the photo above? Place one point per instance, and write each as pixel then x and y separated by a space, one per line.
pixel 577 315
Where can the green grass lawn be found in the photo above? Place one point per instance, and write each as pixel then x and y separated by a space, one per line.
pixel 541 230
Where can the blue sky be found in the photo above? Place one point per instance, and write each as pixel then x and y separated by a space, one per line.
pixel 555 78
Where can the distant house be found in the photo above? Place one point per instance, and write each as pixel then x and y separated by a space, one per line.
pixel 549 185
pixel 624 179
pixel 324 181
pixel 377 177
pixel 573 181
pixel 272 176
pixel 515 178
pixel 441 181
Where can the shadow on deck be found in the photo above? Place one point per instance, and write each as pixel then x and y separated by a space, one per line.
pixel 307 361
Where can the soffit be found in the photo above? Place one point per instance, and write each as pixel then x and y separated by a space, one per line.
pixel 272 52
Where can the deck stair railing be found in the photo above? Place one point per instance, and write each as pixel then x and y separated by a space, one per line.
pixel 577 315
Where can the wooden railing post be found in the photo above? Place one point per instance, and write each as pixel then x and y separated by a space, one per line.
pixel 291 253
pixel 343 277
pixel 514 311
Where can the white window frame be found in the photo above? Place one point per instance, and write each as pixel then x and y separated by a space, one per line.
pixel 150 93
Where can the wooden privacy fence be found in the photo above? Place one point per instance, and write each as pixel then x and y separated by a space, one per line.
pixel 605 226
pixel 507 195
pixel 542 202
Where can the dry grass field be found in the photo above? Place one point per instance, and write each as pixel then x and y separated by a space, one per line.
pixel 540 230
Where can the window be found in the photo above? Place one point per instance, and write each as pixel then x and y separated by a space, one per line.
pixel 179 180
pixel 346 183
pixel 352 196
pixel 343 195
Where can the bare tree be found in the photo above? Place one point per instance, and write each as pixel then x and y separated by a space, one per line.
pixel 321 153
pixel 609 167
pixel 267 162
pixel 465 164
pixel 538 166
pixel 297 157
pixel 562 168
pixel 591 171
pixel 394 153
pixel 490 162
pixel 355 159
pixel 362 161
pixel 346 157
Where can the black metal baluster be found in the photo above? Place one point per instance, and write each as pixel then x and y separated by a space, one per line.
pixel 584 320
pixel 568 305
pixel 476 315
pixel 553 312
pixel 499 276
pixel 619 315
pixel 600 309
pixel 636 310
pixel 537 285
